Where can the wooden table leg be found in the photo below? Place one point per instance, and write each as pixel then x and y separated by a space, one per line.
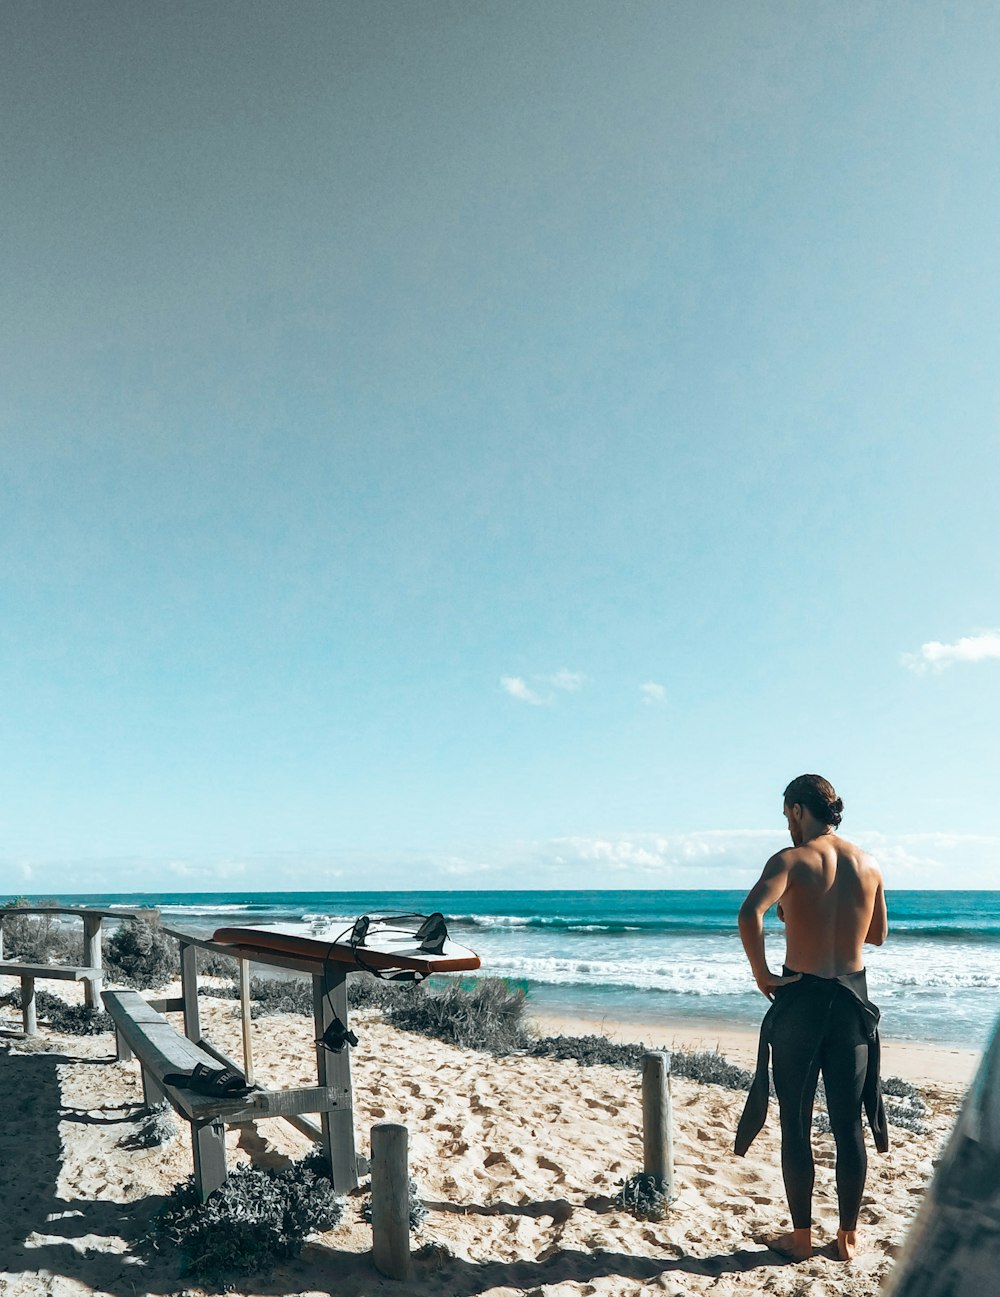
pixel 93 953
pixel 189 991
pixel 244 966
pixel 330 1000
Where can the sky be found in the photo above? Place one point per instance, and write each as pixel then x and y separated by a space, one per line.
pixel 495 444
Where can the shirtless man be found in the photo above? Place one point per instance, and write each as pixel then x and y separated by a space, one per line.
pixel 831 898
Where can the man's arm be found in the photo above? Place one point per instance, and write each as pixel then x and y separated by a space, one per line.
pixel 878 929
pixel 769 888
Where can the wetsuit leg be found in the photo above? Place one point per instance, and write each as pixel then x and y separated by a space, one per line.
pixel 844 1061
pixel 795 1060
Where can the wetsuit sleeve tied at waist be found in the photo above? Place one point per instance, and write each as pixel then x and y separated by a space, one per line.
pixel 755 1109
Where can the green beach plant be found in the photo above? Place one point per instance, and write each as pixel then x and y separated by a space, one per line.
pixel 37 938
pixel 140 954
pixel 257 1218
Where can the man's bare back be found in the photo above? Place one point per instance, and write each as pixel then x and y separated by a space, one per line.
pixel 832 904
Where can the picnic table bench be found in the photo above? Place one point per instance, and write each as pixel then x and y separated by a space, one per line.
pixel 161 1049
pixel 90 972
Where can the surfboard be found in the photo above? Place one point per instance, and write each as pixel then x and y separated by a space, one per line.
pixel 385 948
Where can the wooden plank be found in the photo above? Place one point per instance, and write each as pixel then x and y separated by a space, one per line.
pixel 171 1004
pixel 953 1247
pixel 218 1054
pixel 79 911
pixel 270 958
pixel 289 1103
pixel 161 1050
pixel 53 972
pixel 329 1000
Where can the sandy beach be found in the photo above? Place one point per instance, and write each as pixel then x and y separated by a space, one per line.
pixel 516 1159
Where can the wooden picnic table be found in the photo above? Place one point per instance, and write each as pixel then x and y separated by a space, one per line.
pixel 90 972
pixel 335 1133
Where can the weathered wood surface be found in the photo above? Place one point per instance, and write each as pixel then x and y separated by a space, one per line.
pixel 953 1247
pixel 329 1000
pixel 244 976
pixel 93 958
pixel 79 910
pixel 272 958
pixel 391 1201
pixel 44 972
pixel 657 1120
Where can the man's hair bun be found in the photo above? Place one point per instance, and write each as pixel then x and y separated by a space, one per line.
pixel 817 795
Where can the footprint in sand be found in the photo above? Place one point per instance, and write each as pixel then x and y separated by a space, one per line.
pixel 546 1164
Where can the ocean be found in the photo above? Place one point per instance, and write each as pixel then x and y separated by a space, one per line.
pixel 646 956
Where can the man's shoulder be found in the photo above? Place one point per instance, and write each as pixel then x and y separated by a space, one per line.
pixel 784 859
pixel 864 859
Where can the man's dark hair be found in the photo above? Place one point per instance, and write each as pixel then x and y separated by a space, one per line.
pixel 816 794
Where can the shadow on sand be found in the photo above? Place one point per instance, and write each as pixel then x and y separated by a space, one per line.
pixel 104 1244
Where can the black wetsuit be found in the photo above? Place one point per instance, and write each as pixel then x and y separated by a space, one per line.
pixel 828 1025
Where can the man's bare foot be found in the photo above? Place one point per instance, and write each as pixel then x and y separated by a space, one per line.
pixel 796 1245
pixel 847 1244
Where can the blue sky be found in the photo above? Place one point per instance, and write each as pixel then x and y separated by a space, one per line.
pixel 496 443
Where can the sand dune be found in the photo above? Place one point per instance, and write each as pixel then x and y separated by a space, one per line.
pixel 517 1160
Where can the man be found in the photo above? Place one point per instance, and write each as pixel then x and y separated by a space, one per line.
pixel 831 898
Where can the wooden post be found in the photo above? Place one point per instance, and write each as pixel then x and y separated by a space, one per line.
pixel 92 958
pixel 953 1246
pixel 189 991
pixel 28 1014
pixel 657 1123
pixel 329 999
pixel 244 966
pixel 391 1201
pixel 208 1144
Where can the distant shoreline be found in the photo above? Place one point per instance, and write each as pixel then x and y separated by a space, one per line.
pixel 917 1061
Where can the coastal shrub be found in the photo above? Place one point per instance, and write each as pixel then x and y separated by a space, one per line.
pixel 366 992
pixel 644 1195
pixel 417 1213
pixel 70 1019
pixel 212 964
pixel 140 954
pixel 155 1129
pixel 45 1002
pixel 38 938
pixel 904 1105
pixel 273 995
pixel 257 1218
pixel 588 1051
pixel 488 1015
pixel 709 1067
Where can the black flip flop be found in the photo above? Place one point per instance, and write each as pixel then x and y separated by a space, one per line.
pixel 217 1082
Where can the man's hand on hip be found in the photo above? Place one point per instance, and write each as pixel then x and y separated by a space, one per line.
pixel 768 984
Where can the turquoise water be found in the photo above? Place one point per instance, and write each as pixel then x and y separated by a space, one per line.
pixel 647 955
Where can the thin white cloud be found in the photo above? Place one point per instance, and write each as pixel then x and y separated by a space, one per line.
pixel 517 688
pixel 935 656
pixel 570 681
pixel 653 695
